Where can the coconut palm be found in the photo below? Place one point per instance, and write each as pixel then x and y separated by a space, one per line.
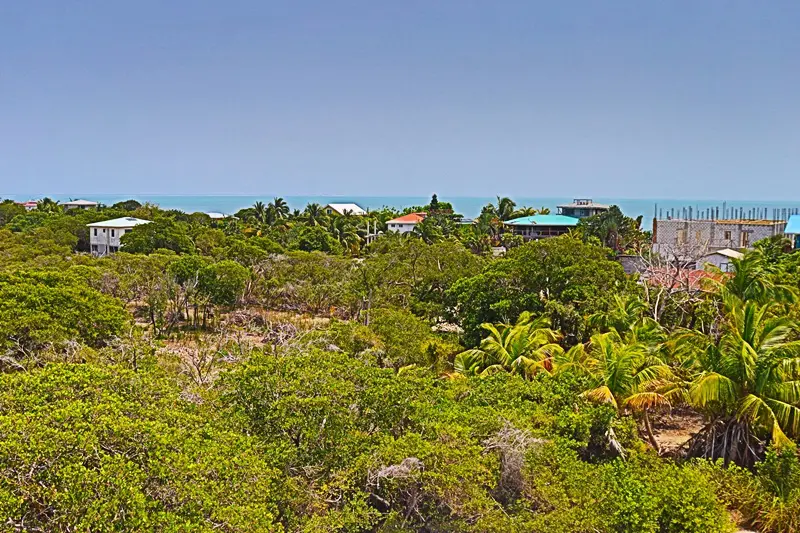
pixel 344 231
pixel 280 208
pixel 428 230
pixel 751 281
pixel 626 376
pixel 627 317
pixel 747 383
pixel 522 348
pixel 505 208
pixel 525 212
pixel 48 205
pixel 260 212
pixel 314 214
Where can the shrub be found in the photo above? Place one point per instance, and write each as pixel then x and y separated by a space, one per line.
pixel 89 448
pixel 39 308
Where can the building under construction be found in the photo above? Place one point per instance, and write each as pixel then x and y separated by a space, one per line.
pixel 690 231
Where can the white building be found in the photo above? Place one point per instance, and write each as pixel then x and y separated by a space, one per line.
pixel 720 259
pixel 104 236
pixel 405 223
pixel 341 209
pixel 79 204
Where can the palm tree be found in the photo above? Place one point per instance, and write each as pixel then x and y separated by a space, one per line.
pixel 428 230
pixel 505 208
pixel 751 281
pixel 48 205
pixel 626 376
pixel 525 212
pixel 344 231
pixel 524 348
pixel 260 212
pixel 747 383
pixel 627 318
pixel 280 208
pixel 314 214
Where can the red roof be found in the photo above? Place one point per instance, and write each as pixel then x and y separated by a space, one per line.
pixel 688 279
pixel 411 218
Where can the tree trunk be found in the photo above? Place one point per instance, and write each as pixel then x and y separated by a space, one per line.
pixel 649 430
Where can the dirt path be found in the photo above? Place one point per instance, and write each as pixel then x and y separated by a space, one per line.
pixel 674 430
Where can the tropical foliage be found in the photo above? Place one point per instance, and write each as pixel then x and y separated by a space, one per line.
pixel 303 371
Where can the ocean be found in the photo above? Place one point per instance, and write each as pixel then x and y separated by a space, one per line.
pixel 469 206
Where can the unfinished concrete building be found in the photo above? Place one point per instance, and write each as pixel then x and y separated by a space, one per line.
pixel 681 237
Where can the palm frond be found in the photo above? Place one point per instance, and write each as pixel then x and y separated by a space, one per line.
pixel 601 394
pixel 712 388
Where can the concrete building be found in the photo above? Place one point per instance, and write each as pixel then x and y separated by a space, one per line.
pixel 405 223
pixel 541 226
pixel 30 205
pixel 341 209
pixel 697 237
pixel 582 208
pixel 104 236
pixel 792 231
pixel 80 204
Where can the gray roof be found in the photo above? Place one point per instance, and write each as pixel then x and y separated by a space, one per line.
pixel 80 202
pixel 576 204
pixel 124 222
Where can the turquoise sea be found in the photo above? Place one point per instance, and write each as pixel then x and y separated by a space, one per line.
pixel 469 206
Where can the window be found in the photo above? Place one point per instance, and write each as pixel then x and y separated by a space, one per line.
pixel 95 232
pixel 94 246
pixel 112 232
pixel 745 240
pixel 104 230
pixel 725 267
pixel 727 235
pixel 114 248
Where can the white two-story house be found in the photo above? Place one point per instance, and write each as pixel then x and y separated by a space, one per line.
pixel 405 223
pixel 104 236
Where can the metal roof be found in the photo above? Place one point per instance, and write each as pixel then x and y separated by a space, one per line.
pixel 543 220
pixel 727 252
pixel 793 226
pixel 341 208
pixel 80 202
pixel 124 222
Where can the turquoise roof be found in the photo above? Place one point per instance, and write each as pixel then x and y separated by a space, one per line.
pixel 793 226
pixel 544 220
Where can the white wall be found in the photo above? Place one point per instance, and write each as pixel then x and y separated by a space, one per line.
pixel 401 228
pixel 105 240
pixel 718 260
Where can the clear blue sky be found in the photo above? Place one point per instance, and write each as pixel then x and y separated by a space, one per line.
pixel 630 98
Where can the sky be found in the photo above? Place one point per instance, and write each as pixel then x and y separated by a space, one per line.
pixel 606 98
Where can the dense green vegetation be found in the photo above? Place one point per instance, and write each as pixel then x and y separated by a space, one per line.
pixel 275 372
